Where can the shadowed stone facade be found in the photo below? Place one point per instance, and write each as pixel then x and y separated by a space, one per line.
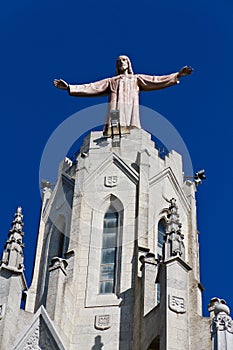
pixel 117 258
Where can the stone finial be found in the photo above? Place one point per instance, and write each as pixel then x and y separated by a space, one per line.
pixel 13 250
pixel 174 240
pixel 222 320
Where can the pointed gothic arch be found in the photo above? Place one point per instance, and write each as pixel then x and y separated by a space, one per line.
pixel 109 252
pixel 95 253
pixel 110 265
pixel 161 234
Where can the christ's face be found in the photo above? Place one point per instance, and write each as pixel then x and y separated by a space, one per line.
pixel 123 64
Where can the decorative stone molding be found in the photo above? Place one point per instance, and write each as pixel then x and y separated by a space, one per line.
pixel 33 341
pixel 102 322
pixel 214 305
pixel 222 320
pixel 148 258
pixel 176 304
pixel 2 310
pixel 174 245
pixel 78 195
pixel 57 262
pixel 40 334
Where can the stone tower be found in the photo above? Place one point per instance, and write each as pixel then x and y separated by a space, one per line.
pixel 117 258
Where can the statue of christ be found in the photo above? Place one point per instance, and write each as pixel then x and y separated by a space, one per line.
pixel 123 90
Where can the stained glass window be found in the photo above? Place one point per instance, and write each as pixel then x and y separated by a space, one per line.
pixel 109 252
pixel 161 237
pixel 160 248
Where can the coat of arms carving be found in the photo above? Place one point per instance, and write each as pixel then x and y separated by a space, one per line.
pixel 111 180
pixel 177 304
pixel 102 322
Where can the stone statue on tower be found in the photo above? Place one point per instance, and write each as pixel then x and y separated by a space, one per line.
pixel 123 90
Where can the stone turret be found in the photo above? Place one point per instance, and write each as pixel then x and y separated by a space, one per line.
pixel 13 251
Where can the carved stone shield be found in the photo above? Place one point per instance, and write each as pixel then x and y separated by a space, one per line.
pixel 177 304
pixel 111 180
pixel 102 322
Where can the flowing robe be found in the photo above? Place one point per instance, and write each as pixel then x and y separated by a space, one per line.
pixel 123 92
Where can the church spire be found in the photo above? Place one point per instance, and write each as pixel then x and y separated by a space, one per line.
pixel 13 251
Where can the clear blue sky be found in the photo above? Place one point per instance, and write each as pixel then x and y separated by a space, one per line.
pixel 79 41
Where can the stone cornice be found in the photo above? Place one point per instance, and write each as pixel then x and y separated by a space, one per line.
pixel 178 260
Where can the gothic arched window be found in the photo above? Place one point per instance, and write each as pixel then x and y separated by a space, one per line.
pixel 160 249
pixel 109 252
pixel 161 237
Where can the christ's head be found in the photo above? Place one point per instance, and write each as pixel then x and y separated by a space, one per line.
pixel 123 65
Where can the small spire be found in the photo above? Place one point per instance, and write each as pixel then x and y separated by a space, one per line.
pixel 13 250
